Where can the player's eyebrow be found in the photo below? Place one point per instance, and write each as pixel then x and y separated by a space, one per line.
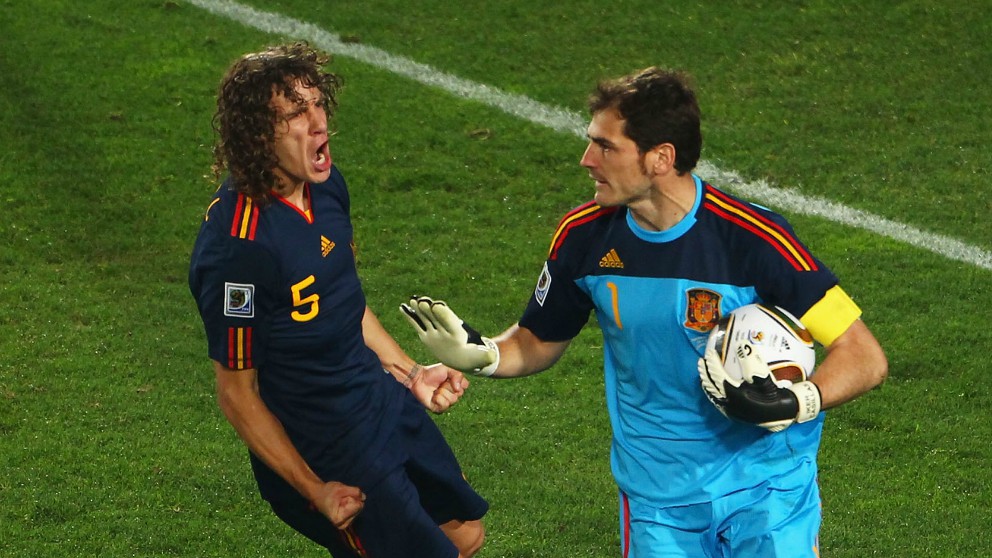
pixel 301 106
pixel 294 112
pixel 601 141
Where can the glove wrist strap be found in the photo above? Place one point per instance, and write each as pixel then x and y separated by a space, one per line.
pixel 490 369
pixel 810 400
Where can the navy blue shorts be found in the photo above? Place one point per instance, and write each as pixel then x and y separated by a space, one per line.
pixel 403 511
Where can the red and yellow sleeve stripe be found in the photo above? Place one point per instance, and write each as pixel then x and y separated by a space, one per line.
pixel 578 216
pixel 746 217
pixel 239 348
pixel 245 220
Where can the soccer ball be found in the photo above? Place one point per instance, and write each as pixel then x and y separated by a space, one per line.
pixel 781 341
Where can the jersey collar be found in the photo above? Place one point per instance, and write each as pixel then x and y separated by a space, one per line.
pixel 675 232
pixel 308 214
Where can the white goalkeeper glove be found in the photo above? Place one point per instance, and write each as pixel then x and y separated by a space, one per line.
pixel 758 398
pixel 452 341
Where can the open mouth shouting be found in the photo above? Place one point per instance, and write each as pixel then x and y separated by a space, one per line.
pixel 322 158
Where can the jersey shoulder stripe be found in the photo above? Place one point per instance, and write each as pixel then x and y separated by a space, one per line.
pixel 245 220
pixel 585 213
pixel 747 217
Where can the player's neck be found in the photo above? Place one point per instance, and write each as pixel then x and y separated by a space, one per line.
pixel 294 195
pixel 669 204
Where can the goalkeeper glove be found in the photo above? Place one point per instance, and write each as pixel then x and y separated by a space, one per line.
pixel 452 341
pixel 758 398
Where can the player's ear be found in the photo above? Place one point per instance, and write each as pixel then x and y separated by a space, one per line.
pixel 663 157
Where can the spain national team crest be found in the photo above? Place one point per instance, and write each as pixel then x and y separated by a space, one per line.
pixel 239 300
pixel 702 309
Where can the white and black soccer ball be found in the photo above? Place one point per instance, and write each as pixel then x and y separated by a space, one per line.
pixel 781 340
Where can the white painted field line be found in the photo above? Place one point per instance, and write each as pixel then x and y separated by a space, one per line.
pixel 566 121
pixel 793 200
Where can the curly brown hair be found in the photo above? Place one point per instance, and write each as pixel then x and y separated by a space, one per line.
pixel 658 106
pixel 245 118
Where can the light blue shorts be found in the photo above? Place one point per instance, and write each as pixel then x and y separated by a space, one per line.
pixel 767 521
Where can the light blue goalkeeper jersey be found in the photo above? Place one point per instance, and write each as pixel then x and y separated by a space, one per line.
pixel 656 296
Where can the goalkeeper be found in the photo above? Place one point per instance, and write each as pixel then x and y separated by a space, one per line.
pixel 660 256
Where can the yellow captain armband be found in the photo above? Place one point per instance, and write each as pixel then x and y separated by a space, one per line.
pixel 831 316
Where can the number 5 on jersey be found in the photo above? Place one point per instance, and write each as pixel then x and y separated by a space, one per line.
pixel 310 302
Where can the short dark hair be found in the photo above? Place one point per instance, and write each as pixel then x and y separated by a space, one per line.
pixel 658 106
pixel 245 118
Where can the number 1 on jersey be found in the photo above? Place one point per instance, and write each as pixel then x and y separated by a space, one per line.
pixel 616 303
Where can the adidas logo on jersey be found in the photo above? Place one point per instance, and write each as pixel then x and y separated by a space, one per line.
pixel 611 259
pixel 326 246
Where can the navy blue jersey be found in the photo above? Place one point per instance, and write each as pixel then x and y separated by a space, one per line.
pixel 656 296
pixel 278 291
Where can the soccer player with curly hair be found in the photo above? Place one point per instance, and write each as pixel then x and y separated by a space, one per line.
pixel 331 409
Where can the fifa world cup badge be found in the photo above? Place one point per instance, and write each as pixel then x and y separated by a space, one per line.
pixel 543 285
pixel 239 300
